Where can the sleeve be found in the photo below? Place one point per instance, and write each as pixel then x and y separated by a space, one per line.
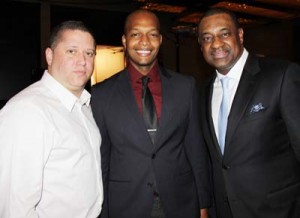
pixel 22 157
pixel 290 105
pixel 197 151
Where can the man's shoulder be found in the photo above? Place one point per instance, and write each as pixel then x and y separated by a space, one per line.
pixel 30 94
pixel 107 88
pixel 274 68
pixel 273 62
pixel 30 101
pixel 176 76
pixel 108 82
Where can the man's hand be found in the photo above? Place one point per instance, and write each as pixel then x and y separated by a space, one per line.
pixel 204 213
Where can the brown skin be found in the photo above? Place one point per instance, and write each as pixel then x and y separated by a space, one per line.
pixel 204 213
pixel 142 40
pixel 221 41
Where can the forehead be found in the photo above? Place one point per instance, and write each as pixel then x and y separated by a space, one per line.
pixel 216 22
pixel 142 20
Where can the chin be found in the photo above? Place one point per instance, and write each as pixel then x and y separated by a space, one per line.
pixel 220 64
pixel 144 64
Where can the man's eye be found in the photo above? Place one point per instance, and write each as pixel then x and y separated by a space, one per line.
pixel 71 51
pixel 207 38
pixel 154 35
pixel 225 35
pixel 90 54
pixel 135 35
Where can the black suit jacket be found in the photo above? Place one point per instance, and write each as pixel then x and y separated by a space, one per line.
pixel 130 162
pixel 259 173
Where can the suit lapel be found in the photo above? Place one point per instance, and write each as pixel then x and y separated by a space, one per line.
pixel 168 98
pixel 211 128
pixel 244 93
pixel 127 94
pixel 130 105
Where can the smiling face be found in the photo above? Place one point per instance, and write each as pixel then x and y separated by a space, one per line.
pixel 71 61
pixel 142 40
pixel 221 41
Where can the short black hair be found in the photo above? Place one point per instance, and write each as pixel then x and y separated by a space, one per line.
pixel 67 25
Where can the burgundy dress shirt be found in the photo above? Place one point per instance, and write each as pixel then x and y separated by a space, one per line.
pixel 154 86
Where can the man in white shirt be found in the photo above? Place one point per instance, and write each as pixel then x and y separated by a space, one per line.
pixel 49 142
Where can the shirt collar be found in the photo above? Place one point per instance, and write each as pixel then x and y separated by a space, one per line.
pixel 135 75
pixel 67 98
pixel 236 71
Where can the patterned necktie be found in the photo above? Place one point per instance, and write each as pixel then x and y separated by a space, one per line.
pixel 223 112
pixel 149 111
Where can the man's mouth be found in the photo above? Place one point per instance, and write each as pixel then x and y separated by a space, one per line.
pixel 143 52
pixel 220 53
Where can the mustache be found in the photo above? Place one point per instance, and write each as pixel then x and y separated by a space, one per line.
pixel 220 49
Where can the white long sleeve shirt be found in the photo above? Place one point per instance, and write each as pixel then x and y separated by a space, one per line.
pixel 49 154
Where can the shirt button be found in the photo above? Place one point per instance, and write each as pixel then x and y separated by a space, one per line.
pixel 153 156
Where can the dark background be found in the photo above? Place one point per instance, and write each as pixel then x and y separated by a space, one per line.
pixel 25 28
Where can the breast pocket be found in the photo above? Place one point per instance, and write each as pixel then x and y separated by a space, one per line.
pixel 252 115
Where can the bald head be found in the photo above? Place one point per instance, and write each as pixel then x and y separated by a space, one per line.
pixel 142 40
pixel 140 13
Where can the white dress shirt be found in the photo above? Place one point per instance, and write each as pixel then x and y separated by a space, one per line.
pixel 234 74
pixel 49 154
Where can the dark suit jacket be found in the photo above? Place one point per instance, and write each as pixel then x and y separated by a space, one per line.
pixel 259 174
pixel 178 158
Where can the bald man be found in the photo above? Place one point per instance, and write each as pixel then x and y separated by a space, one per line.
pixel 158 172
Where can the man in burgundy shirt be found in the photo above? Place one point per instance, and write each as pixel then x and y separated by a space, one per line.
pixel 159 171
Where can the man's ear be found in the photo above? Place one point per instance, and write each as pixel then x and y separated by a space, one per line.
pixel 199 41
pixel 124 41
pixel 161 38
pixel 49 55
pixel 241 35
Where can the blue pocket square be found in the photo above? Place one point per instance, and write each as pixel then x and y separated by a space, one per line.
pixel 256 108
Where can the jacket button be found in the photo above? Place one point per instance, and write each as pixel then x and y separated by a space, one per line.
pixel 150 184
pixel 153 156
pixel 225 167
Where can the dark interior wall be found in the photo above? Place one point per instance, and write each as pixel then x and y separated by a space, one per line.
pixel 19 46
pixel 296 42
pixel 20 39
pixel 191 61
pixel 106 25
pixel 277 39
pixel 20 42
pixel 273 40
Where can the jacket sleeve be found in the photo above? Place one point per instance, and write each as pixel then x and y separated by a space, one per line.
pixel 290 105
pixel 98 107
pixel 197 151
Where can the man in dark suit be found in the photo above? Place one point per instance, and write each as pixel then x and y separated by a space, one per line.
pixel 160 171
pixel 256 173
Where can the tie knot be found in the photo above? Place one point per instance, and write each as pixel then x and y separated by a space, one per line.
pixel 145 80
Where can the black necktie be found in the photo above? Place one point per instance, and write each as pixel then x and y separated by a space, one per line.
pixel 149 111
